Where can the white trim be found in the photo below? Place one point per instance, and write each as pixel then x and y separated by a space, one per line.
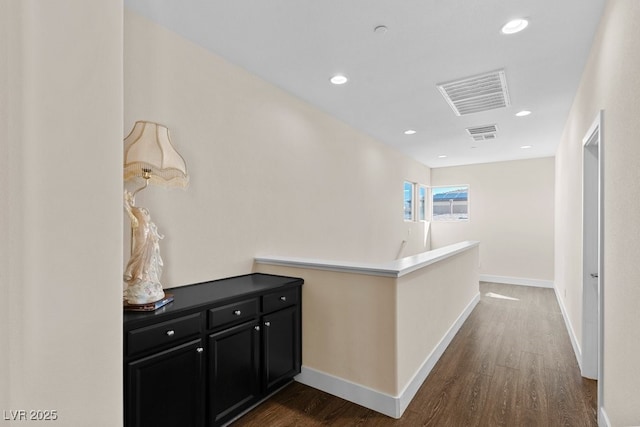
pixel 450 186
pixel 596 302
pixel 595 126
pixel 522 281
pixel 396 268
pixel 345 389
pixel 572 335
pixel 409 392
pixel 603 419
pixel 414 210
pixel 392 406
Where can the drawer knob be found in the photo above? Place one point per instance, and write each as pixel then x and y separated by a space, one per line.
pixel 283 298
pixel 199 349
pixel 257 328
pixel 171 333
pixel 267 323
pixel 237 312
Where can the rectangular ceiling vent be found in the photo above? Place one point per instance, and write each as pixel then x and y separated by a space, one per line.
pixel 483 133
pixel 477 93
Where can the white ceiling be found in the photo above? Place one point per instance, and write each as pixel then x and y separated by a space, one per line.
pixel 299 44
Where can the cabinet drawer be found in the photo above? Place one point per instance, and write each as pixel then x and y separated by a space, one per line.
pixel 233 313
pixel 278 300
pixel 163 333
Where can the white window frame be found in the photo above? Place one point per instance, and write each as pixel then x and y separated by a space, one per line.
pixel 432 206
pixel 404 200
pixel 424 209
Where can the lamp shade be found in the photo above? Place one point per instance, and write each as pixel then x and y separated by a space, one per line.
pixel 149 155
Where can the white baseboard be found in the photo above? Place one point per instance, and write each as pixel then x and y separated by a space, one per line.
pixel 522 281
pixel 348 390
pixel 414 384
pixel 392 406
pixel 572 335
pixel 603 418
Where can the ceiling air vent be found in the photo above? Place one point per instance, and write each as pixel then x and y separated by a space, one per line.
pixel 483 133
pixel 477 93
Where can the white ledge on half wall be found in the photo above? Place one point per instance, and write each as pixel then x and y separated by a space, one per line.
pixel 397 268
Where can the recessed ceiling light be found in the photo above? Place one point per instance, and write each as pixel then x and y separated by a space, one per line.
pixel 442 156
pixel 514 26
pixel 380 29
pixel 523 113
pixel 338 79
pixel 409 132
pixel 525 147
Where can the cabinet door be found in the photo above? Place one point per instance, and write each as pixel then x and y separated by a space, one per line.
pixel 281 346
pixel 166 388
pixel 233 370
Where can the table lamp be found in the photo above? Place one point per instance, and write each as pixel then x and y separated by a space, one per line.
pixel 149 157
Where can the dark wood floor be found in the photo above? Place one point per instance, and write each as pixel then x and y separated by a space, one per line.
pixel 511 364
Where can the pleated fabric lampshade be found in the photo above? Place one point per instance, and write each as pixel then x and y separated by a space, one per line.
pixel 149 155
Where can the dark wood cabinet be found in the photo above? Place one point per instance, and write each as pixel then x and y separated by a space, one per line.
pixel 281 348
pixel 217 350
pixel 234 369
pixel 165 389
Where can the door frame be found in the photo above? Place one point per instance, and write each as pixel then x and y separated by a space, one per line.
pixel 592 365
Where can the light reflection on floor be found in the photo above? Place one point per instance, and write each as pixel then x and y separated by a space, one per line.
pixel 498 296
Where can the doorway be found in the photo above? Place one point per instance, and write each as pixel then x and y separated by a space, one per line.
pixel 592 254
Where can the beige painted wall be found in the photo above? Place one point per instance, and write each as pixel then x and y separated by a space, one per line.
pixel 610 82
pixel 377 331
pixel 9 17
pixel 269 173
pixel 511 213
pixel 348 325
pixel 430 301
pixel 61 185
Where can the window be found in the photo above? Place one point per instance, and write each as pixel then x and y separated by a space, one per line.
pixel 422 203
pixel 450 203
pixel 408 200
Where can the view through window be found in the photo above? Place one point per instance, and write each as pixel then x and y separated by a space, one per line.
pixel 408 201
pixel 450 203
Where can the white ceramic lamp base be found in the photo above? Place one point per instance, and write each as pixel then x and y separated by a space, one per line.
pixel 143 293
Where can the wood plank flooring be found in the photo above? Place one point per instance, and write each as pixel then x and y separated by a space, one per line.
pixel 511 364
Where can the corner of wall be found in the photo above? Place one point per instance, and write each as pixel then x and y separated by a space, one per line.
pixel 575 343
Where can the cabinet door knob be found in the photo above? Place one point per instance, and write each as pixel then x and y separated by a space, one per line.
pixel 283 298
pixel 267 323
pixel 171 333
pixel 199 349
pixel 237 312
pixel 257 328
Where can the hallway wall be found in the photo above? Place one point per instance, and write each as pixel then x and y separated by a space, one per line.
pixel 610 82
pixel 60 208
pixel 270 174
pixel 511 214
